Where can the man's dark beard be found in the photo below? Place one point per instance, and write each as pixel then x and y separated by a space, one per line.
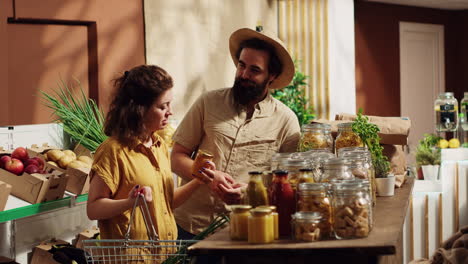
pixel 245 91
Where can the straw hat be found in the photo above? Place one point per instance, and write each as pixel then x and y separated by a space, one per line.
pixel 287 73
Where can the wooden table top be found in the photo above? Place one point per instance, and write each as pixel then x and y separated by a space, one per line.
pixel 390 213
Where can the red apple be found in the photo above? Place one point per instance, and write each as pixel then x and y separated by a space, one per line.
pixel 40 162
pixel 31 168
pixel 20 153
pixel 3 160
pixel 14 166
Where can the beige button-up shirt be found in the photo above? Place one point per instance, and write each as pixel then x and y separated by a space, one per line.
pixel 239 145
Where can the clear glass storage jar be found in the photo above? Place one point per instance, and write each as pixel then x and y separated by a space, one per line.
pixel 336 168
pixel 315 136
pixel 351 209
pixel 346 137
pixel 314 197
pixel 446 109
pixel 306 226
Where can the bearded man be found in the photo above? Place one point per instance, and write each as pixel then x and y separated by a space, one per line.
pixel 242 127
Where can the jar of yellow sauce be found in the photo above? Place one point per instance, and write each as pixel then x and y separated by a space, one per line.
pixel 275 219
pixel 260 226
pixel 256 192
pixel 239 222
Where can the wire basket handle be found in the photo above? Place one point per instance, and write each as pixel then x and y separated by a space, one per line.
pixel 152 234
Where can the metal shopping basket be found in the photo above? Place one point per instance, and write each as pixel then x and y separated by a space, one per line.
pixel 153 250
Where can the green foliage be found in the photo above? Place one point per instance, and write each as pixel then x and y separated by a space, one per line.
pixel 368 133
pixel 427 152
pixel 80 117
pixel 294 97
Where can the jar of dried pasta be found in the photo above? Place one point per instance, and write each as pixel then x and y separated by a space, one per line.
pixel 315 136
pixel 346 137
pixel 351 210
pixel 313 197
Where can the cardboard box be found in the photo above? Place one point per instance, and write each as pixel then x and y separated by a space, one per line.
pixel 5 190
pixel 41 254
pixel 86 235
pixel 36 188
pixel 78 182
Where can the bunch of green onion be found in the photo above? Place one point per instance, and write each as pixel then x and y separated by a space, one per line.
pixel 181 255
pixel 80 117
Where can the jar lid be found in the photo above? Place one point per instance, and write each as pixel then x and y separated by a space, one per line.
pixel 306 216
pixel 240 208
pixel 334 162
pixel 255 172
pixel 300 162
pixel 280 172
pixel 260 211
pixel 306 170
pixel 271 207
pixel 205 153
pixel 345 125
pixel 278 156
pixel 351 149
pixel 349 185
pixel 316 126
pixel 446 95
pixel 307 186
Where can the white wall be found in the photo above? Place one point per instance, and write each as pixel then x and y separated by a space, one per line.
pixel 341 54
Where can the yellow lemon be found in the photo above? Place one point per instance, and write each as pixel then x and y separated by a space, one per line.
pixel 454 143
pixel 443 143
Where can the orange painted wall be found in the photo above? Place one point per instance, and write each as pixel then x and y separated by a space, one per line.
pixel 35 57
pixel 378 57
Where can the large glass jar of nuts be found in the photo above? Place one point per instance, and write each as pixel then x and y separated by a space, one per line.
pixel 336 168
pixel 346 137
pixel 313 197
pixel 350 210
pixel 315 136
pixel 306 226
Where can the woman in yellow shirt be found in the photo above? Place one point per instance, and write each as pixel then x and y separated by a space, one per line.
pixel 135 159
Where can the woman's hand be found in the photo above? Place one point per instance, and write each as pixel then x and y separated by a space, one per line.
pixel 144 190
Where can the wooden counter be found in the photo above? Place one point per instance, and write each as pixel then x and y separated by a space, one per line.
pixel 384 239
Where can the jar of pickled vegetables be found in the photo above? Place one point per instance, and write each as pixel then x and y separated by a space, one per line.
pixel 313 197
pixel 315 136
pixel 275 219
pixel 256 193
pixel 239 222
pixel 283 197
pixel 260 226
pixel 346 137
pixel 306 226
pixel 293 165
pixel 306 175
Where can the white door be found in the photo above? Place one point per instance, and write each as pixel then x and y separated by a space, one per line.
pixel 422 77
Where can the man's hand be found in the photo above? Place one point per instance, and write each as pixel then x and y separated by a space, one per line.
pixel 231 195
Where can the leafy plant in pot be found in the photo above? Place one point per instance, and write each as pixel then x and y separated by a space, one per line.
pixel 428 157
pixel 368 132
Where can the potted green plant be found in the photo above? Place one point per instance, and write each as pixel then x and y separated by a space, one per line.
pixel 428 156
pixel 293 96
pixel 368 132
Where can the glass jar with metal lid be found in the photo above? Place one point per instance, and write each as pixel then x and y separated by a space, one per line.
pixel 314 197
pixel 275 219
pixel 336 168
pixel 276 158
pixel 315 136
pixel 446 109
pixel 306 226
pixel 238 223
pixel 346 137
pixel 306 175
pixel 340 152
pixel 282 196
pixel 362 167
pixel 256 192
pixel 260 226
pixel 351 210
